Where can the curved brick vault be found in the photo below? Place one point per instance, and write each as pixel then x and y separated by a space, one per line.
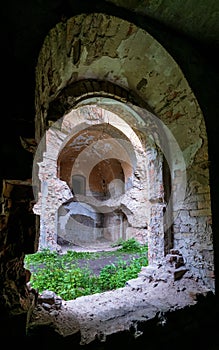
pixel 122 71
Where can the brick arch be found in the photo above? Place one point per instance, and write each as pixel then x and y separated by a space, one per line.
pixel 80 90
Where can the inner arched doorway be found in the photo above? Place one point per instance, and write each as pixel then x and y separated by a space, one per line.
pixel 131 203
pixel 80 220
pixel 99 173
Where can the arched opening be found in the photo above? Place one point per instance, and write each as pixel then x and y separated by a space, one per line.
pixel 107 179
pixel 107 163
pixel 87 143
pixel 132 86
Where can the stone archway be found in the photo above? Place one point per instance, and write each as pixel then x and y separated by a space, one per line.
pixel 80 147
pixel 74 144
pixel 120 61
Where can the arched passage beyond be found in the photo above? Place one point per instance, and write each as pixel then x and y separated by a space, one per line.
pixel 108 159
pixel 117 69
pixel 106 179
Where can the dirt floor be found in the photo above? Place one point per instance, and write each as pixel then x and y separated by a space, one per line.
pixel 97 264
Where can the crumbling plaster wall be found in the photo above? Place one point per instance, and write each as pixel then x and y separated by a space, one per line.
pixel 55 192
pixel 106 48
pixel 78 223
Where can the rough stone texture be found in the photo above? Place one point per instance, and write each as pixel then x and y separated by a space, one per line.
pixel 123 61
pixel 157 296
pixel 17 237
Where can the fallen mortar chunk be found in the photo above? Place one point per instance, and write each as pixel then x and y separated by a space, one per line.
pixel 178 273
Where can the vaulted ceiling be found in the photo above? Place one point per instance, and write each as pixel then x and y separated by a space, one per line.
pixel 26 23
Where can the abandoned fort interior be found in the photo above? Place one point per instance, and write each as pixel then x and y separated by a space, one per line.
pixel 109 131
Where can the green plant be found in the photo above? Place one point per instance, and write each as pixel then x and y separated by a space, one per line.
pixel 131 245
pixel 61 274
pixel 114 276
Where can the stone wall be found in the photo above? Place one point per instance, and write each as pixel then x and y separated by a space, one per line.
pixel 17 238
